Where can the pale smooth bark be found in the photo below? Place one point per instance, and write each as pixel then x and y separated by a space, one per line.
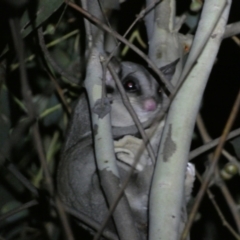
pixel 167 193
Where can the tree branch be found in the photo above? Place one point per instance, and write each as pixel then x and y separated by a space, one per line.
pixel 166 197
pixel 103 140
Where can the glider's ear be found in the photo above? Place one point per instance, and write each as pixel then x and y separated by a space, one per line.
pixel 169 69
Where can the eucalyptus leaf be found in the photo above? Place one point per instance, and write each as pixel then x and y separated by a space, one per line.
pixel 236 145
pixel 37 13
pixel 54 116
pixel 5 123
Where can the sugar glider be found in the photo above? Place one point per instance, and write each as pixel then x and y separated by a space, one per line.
pixel 78 180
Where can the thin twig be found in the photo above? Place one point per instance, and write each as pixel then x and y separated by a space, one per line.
pixel 229 199
pixel 19 209
pixel 60 94
pixel 64 218
pixel 200 150
pixel 220 213
pixel 13 169
pixel 41 155
pixel 214 161
pixel 202 129
pixel 236 40
pixel 206 139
